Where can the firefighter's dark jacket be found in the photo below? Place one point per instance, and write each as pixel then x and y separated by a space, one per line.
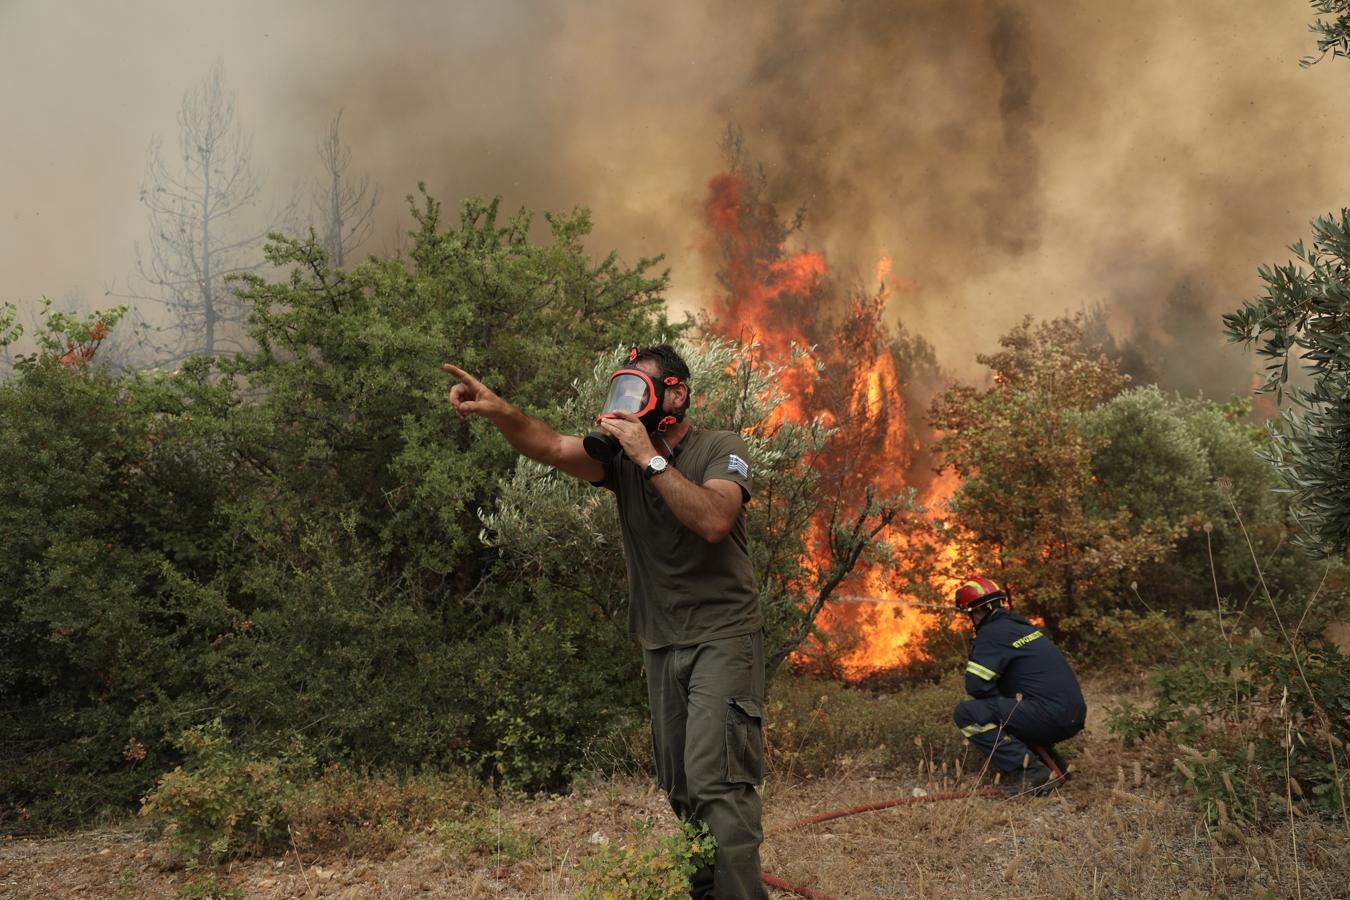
pixel 1011 656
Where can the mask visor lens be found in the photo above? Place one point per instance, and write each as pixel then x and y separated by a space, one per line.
pixel 629 392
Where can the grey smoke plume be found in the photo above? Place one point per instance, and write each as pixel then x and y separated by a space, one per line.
pixel 1010 157
pixel 1015 212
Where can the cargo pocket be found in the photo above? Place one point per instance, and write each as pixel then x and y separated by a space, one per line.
pixel 745 741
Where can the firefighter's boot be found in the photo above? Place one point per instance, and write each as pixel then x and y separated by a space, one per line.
pixel 1034 780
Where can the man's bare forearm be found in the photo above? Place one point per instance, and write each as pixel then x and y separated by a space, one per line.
pixel 530 437
pixel 701 509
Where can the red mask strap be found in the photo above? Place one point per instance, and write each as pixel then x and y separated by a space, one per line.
pixel 664 424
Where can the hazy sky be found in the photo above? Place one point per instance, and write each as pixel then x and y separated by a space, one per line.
pixel 1011 157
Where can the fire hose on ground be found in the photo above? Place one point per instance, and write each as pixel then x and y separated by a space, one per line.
pixel 774 881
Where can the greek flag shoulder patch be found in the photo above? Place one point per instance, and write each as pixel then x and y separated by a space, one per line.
pixel 738 465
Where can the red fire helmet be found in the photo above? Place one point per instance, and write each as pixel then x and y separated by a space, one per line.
pixel 976 593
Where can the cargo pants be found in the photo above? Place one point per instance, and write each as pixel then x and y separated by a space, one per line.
pixel 707 714
pixel 1001 727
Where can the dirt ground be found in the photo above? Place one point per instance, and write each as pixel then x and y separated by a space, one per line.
pixel 1120 828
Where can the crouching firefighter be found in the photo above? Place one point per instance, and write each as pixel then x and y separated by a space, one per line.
pixel 1025 697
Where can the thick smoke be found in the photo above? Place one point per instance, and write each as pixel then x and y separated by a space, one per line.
pixel 1010 157
pixel 882 118
pixel 1014 219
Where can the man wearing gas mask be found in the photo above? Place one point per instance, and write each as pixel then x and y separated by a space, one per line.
pixel 693 604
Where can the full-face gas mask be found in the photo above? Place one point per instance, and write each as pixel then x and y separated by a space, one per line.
pixel 632 391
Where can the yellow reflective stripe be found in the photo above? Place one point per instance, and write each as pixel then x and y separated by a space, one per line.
pixel 975 668
pixel 971 730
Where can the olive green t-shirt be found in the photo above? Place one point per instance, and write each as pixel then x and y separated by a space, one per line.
pixel 683 590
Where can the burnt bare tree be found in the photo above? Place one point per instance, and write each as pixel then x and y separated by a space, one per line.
pixel 344 206
pixel 204 227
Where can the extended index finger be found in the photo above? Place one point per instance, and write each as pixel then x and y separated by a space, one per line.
pixel 462 375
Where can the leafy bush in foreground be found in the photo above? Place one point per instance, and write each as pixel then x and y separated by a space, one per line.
pixel 1263 722
pixel 108 505
pixel 224 804
pixel 649 866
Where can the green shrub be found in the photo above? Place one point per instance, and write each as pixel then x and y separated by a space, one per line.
pixel 648 866
pixel 291 538
pixel 1192 467
pixel 382 617
pixel 1260 720
pixel 1233 787
pixel 225 804
pixel 376 678
pixel 543 690
pixel 108 500
pixel 1122 640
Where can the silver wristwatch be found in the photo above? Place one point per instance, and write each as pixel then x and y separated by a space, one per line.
pixel 657 465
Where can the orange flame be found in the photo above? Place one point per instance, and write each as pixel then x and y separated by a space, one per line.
pixel 779 299
pixel 890 633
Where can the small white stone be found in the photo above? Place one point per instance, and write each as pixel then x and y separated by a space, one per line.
pixel 918 792
pixel 598 838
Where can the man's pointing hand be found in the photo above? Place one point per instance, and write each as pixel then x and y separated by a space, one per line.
pixel 471 396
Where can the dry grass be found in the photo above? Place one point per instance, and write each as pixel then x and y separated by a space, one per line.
pixel 1124 827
